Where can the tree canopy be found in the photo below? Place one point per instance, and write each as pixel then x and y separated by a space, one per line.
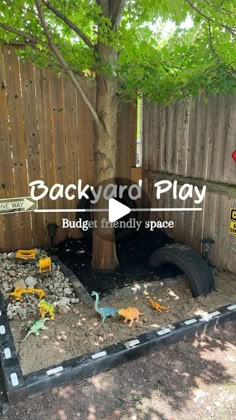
pixel 193 59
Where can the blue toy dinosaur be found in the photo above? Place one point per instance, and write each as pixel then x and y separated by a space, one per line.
pixel 106 310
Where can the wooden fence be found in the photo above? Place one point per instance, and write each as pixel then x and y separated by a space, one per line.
pixel 192 142
pixel 47 133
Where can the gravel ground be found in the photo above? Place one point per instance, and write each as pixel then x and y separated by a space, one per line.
pixel 17 273
pixel 193 379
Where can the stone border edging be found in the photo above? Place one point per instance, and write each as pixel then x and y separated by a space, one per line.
pixel 78 287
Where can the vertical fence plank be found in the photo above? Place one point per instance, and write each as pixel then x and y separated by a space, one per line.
pixel 191 138
pixel 162 139
pixel 32 140
pixel 126 139
pixel 183 134
pixel 216 169
pixel 170 139
pixel 71 146
pixel 58 144
pixel 201 139
pixel 83 140
pixel 8 227
pixel 229 142
pixel 45 137
pixel 174 140
pixel 16 118
pixel 145 140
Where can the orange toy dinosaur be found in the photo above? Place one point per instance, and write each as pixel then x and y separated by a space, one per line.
pixel 157 306
pixel 130 314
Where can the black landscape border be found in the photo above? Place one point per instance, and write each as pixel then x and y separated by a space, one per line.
pixel 10 364
pixel 19 386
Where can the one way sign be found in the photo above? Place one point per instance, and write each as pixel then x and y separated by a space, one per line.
pixel 16 205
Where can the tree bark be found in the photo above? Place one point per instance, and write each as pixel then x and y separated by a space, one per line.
pixel 104 249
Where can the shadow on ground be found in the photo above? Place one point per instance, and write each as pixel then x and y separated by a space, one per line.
pixel 196 378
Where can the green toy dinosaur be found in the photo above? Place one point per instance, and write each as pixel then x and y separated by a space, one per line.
pixel 35 327
pixel 46 308
pixel 105 311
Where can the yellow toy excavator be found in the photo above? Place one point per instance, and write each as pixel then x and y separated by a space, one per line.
pixel 18 292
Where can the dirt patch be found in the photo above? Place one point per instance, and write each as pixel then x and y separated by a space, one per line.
pixel 80 331
pixel 195 378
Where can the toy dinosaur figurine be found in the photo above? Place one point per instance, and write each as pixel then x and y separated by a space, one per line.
pixel 130 314
pixel 46 308
pixel 157 306
pixel 18 292
pixel 35 327
pixel 105 311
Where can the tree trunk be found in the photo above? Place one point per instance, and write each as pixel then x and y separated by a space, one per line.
pixel 104 250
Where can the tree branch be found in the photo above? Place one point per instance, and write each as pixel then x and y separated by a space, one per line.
pixel 23 34
pixel 231 70
pixel 118 12
pixel 64 64
pixel 209 19
pixel 219 8
pixel 69 23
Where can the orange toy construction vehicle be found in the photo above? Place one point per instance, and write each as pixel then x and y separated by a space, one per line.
pixel 18 292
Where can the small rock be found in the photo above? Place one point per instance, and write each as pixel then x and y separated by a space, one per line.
pixel 63 338
pixel 11 255
pixel 62 310
pixel 12 273
pixel 19 283
pixel 9 313
pixel 64 301
pixel 67 291
pixel 6 286
pixel 74 300
pixel 30 281
pixel 5 296
pixel 21 312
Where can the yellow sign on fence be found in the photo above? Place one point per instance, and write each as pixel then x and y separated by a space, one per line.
pixel 232 222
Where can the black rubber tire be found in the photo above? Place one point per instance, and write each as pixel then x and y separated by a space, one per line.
pixel 190 262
